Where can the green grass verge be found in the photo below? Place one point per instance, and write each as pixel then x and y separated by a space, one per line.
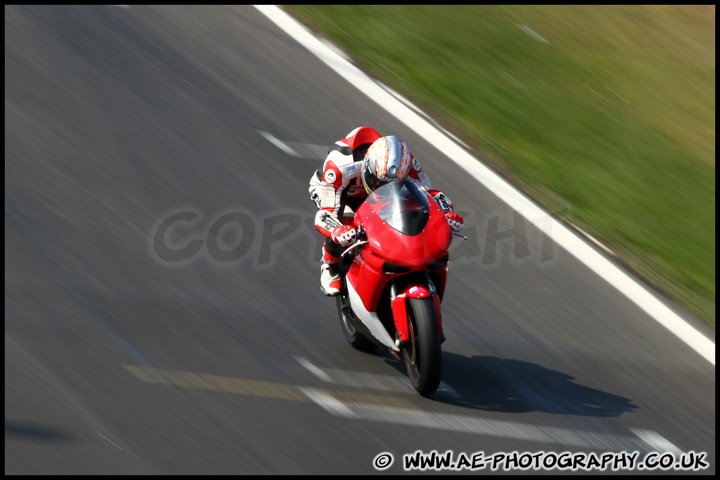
pixel 604 112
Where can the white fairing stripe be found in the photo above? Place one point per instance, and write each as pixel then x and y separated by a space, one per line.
pixel 369 319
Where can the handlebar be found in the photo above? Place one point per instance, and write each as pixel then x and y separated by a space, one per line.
pixel 353 246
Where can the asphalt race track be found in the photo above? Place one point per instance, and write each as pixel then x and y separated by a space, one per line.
pixel 162 305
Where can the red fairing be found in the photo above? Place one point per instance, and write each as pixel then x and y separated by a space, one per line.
pixel 368 279
pixel 406 234
pixel 399 309
pixel 415 251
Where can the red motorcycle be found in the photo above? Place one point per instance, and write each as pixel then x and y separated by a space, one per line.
pixel 395 278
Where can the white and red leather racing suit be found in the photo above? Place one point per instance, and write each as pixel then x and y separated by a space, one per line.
pixel 338 190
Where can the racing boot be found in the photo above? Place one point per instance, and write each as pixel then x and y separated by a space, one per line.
pixel 330 281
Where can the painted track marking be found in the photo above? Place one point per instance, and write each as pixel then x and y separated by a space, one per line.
pixel 357 405
pixel 394 383
pixel 298 149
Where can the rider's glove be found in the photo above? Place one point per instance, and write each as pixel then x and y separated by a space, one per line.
pixel 344 235
pixel 442 200
pixel 456 221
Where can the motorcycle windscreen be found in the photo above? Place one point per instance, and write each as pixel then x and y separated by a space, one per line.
pixel 401 205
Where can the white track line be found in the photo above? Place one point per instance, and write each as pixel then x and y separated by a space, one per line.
pixel 297 149
pixel 657 441
pixel 518 201
pixel 643 440
pixel 317 371
pixel 375 381
pixel 327 401
pixel 281 145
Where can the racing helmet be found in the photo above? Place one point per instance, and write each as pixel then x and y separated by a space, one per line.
pixel 386 160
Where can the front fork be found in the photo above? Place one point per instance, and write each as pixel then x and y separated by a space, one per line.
pixel 398 301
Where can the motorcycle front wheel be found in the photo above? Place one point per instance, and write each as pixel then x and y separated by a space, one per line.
pixel 422 353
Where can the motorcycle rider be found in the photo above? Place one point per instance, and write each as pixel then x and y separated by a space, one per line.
pixel 353 168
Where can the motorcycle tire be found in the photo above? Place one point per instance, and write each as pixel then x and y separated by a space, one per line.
pixel 422 353
pixel 354 338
